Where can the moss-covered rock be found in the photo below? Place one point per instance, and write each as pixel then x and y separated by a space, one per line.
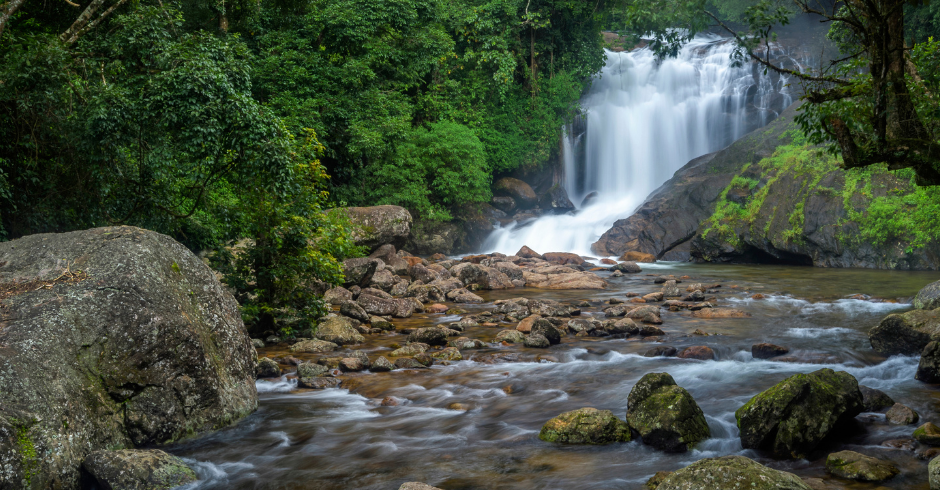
pixel 378 225
pixel 791 418
pixel 928 434
pixel 138 469
pixel 929 297
pixel 856 466
pixel 933 473
pixel 731 473
pixel 585 426
pixel 665 415
pixel 338 330
pixel 133 341
pixel 905 333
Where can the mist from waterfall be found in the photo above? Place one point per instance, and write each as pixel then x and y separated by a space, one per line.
pixel 644 119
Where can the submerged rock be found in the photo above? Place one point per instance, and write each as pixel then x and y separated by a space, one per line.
pixel 731 473
pixel 874 400
pixel 905 333
pixel 856 466
pixel 791 418
pixel 133 469
pixel 700 352
pixel 665 415
pixel 585 426
pixel 767 351
pixel 133 342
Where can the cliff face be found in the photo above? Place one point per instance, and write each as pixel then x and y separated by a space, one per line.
pixel 769 197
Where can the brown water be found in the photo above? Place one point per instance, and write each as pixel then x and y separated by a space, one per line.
pixel 341 439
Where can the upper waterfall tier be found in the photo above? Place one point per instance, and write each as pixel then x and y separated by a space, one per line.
pixel 644 119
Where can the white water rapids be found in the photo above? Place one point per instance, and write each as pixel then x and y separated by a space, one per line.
pixel 646 118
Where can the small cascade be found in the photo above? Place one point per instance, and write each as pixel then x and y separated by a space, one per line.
pixel 644 119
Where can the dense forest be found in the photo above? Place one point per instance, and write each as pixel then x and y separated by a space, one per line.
pixel 216 121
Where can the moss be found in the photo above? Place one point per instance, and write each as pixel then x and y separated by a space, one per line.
pixel 796 220
pixel 585 426
pixel 27 449
pixel 176 268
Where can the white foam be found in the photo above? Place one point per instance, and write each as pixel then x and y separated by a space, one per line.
pixel 278 385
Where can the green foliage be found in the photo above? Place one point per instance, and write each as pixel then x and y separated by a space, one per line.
pixel 909 216
pixel 292 241
pixel 433 170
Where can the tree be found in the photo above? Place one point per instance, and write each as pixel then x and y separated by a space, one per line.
pixel 867 104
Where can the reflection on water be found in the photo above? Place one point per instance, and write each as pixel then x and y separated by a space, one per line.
pixel 333 439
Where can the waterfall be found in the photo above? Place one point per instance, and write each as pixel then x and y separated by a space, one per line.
pixel 644 119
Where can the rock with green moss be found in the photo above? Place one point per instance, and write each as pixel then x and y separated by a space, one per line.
pixel 731 473
pixel 448 354
pixel 665 414
pixel 856 466
pixel 338 330
pixel 929 297
pixel 137 469
pixel 585 426
pixel 791 418
pixel 928 434
pixel 905 333
pixel 131 340
pixel 657 479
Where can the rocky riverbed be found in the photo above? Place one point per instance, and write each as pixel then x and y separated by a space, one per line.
pixel 472 418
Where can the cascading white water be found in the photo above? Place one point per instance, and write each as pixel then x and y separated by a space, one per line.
pixel 645 119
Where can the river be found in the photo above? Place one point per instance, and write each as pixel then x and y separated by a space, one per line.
pixel 344 438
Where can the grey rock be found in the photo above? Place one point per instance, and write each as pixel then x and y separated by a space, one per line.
pixel 900 414
pixel 141 344
pixel 536 340
pixel 382 365
pixel 266 368
pixel 905 333
pixel 929 297
pixel 337 295
pixel 511 336
pixel 378 225
pixel 314 346
pixel 731 473
pixel 928 370
pixel 358 272
pixel 137 469
pixel 338 330
pixel 429 335
pixel 874 400
pixel 353 310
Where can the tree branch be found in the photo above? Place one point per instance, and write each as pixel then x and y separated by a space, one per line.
pixel 768 64
pixel 81 21
pixel 8 10
pixel 94 23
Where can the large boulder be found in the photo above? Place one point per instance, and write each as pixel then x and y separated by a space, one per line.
pixel 585 426
pixel 929 297
pixel 905 333
pixel 482 276
pixel 569 280
pixel 338 330
pixel 731 473
pixel 137 469
pixel 375 226
pixel 792 417
pixel 519 191
pixel 665 415
pixel 112 338
pixel 359 271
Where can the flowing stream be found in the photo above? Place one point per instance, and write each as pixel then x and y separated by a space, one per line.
pixel 645 119
pixel 345 439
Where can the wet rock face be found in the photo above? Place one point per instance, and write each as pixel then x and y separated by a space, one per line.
pixel 375 226
pixel 905 333
pixel 929 297
pixel 519 191
pixel 731 472
pixel 874 400
pixel 791 418
pixel 137 469
pixel 555 200
pixel 585 426
pixel 156 351
pixel 928 370
pixel 665 415
pixel 856 466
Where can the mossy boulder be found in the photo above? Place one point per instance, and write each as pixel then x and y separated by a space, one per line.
pixel 929 297
pixel 928 434
pixel 791 418
pixel 585 426
pixel 665 415
pixel 375 226
pixel 131 340
pixel 856 466
pixel 731 473
pixel 338 330
pixel 137 469
pixel 905 333
pixel 933 473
